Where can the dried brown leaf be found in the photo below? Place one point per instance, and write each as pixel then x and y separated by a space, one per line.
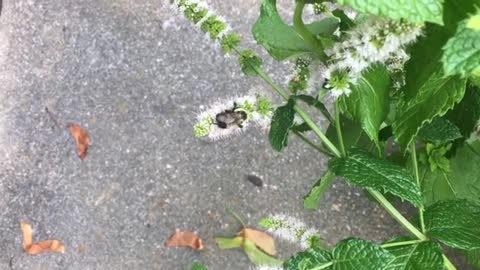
pixel 261 239
pixel 41 246
pixel 81 138
pixel 184 239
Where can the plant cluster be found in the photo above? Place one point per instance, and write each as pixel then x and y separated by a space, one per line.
pixel 404 80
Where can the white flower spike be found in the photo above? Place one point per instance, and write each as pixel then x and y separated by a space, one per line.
pixel 232 117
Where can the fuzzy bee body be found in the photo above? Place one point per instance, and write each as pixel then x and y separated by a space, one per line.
pixel 231 117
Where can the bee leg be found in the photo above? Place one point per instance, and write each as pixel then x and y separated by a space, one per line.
pixel 221 125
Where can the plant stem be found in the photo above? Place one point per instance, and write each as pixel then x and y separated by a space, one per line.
pixel 300 112
pixel 339 128
pixel 312 144
pixel 396 214
pixel 448 264
pixel 417 177
pixel 403 243
pixel 323 266
pixel 236 216
pixel 302 30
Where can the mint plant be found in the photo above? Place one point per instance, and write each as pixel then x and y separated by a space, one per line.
pixel 404 81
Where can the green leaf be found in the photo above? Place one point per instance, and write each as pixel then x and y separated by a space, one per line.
pixel 461 182
pixel 466 114
pixel 358 254
pixel 364 169
pixel 434 98
pixel 312 199
pixel 257 256
pixel 282 122
pixel 281 40
pixel 345 22
pixel 425 59
pixel 473 257
pixel 455 11
pixel 368 103
pixel 199 266
pixel 462 51
pixel 227 243
pixel 353 134
pixel 422 256
pixel 308 259
pixel 249 62
pixel 440 129
pixel 411 10
pixel 454 222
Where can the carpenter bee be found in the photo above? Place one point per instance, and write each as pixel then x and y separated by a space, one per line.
pixel 231 117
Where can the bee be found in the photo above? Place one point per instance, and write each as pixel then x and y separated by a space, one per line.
pixel 231 117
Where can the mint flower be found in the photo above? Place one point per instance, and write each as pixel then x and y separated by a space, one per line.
pixel 213 25
pixel 227 118
pixel 291 229
pixel 338 80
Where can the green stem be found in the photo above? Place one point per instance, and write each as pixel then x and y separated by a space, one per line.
pixel 417 177
pixel 403 243
pixel 396 214
pixel 300 112
pixel 236 217
pixel 302 30
pixel 312 144
pixel 339 128
pixel 448 264
pixel 323 266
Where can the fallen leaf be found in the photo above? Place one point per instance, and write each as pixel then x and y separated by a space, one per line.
pixel 38 247
pixel 184 239
pixel 260 239
pixel 257 256
pixel 81 138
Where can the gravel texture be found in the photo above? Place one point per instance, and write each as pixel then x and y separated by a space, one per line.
pixel 135 75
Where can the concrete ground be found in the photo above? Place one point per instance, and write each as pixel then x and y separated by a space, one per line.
pixel 135 75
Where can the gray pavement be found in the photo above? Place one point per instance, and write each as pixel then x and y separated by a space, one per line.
pixel 135 78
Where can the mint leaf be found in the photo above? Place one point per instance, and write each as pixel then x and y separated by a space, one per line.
pixel 455 11
pixel 411 10
pixel 466 114
pixel 434 98
pixel 368 103
pixel 473 257
pixel 199 266
pixel 461 182
pixel 353 134
pixel 308 259
pixel 424 256
pixel 358 254
pixel 425 58
pixel 282 122
pixel 440 129
pixel 280 39
pixel 454 222
pixel 364 169
pixel 312 199
pixel 462 51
